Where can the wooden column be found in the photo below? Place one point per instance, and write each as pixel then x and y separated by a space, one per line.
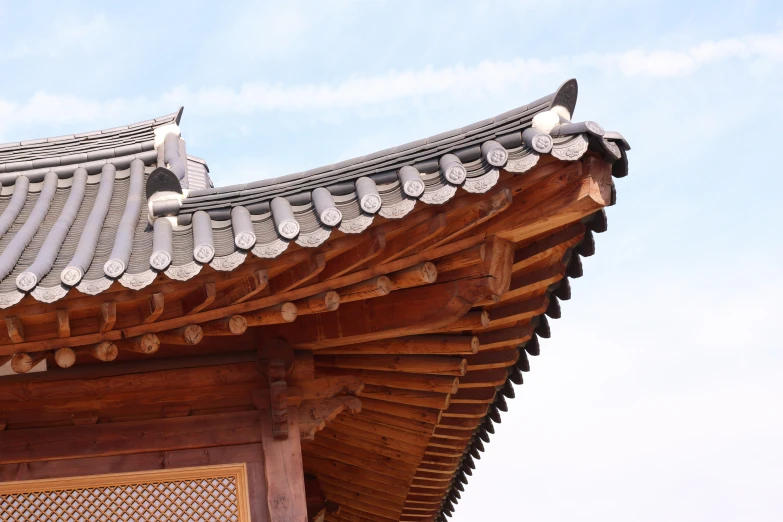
pixel 285 484
pixel 280 434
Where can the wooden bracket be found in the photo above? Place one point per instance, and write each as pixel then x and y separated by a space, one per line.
pixel 15 329
pixel 313 415
pixel 278 398
pixel 276 361
pixel 63 324
pixel 151 309
pixel 198 299
pixel 107 316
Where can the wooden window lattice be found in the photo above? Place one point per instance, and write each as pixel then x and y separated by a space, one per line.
pixel 214 498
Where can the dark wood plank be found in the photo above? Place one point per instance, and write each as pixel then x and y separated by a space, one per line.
pixel 129 437
pixel 49 469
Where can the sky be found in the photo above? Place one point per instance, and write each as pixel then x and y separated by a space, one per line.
pixel 659 395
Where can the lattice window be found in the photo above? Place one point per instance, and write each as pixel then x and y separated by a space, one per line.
pixel 215 494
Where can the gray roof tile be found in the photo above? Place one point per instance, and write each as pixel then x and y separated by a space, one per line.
pixel 122 246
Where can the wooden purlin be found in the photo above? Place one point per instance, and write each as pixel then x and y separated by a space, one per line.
pixel 426 381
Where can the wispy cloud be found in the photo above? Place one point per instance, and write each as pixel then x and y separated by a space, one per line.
pixel 470 82
pixel 664 63
pixel 458 83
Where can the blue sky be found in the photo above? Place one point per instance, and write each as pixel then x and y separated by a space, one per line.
pixel 658 396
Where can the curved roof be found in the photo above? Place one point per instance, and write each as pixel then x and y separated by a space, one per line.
pixel 74 210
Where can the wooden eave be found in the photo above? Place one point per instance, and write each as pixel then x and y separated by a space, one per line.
pixel 371 318
pixel 432 314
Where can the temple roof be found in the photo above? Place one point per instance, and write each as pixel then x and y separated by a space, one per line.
pixel 127 203
pixel 484 269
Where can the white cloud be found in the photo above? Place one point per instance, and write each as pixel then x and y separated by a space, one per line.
pixel 456 84
pixel 638 62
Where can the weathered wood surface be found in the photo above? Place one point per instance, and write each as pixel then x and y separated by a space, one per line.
pixel 405 312
pixel 286 498
pixel 419 320
pixel 126 438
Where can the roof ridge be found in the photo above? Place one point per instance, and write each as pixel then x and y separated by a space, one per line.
pixel 60 140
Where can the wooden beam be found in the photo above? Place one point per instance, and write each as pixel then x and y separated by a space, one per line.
pixel 406 381
pixel 576 191
pixel 405 312
pixel 425 364
pixel 298 274
pixel 371 460
pixel 375 425
pixel 233 325
pixel 524 283
pixel 104 351
pixel 347 472
pixel 424 399
pixel 199 299
pixel 514 312
pixel 355 257
pixel 146 344
pixel 286 498
pixel 185 335
pixel 474 395
pixel 244 289
pixel 152 308
pixel 483 378
pixel 538 250
pixel 107 316
pixel 506 337
pixel 388 447
pixel 323 302
pixel 499 262
pixel 464 220
pixel 162 377
pixel 418 275
pixel 375 287
pixel 125 438
pixel 464 259
pixel 473 320
pixel 421 419
pixel 63 324
pixel 15 329
pixel 494 359
pixel 366 487
pixel 413 238
pixel 415 345
pixel 496 266
pixel 49 469
pixel 24 362
pixel 241 308
pixel 64 357
pixel 278 314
